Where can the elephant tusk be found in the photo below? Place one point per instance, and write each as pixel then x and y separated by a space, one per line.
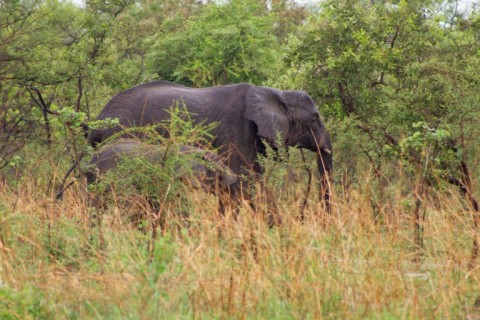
pixel 327 151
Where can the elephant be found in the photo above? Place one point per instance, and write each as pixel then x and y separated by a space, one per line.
pixel 202 170
pixel 207 169
pixel 247 118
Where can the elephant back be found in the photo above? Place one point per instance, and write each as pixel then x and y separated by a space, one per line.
pixel 148 104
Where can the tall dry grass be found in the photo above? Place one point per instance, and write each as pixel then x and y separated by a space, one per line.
pixel 359 261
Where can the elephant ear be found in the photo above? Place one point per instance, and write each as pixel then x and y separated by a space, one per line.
pixel 265 107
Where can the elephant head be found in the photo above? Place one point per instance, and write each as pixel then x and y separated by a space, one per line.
pixel 290 118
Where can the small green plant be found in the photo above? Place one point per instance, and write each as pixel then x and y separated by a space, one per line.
pixel 429 150
pixel 27 303
pixel 74 127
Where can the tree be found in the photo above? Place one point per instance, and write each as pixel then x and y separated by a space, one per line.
pixel 55 56
pixel 384 67
pixel 226 43
pixel 397 82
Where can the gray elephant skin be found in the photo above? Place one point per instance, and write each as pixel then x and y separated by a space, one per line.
pixel 247 116
pixel 208 172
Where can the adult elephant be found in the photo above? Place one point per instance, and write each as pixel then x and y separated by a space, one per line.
pixel 246 116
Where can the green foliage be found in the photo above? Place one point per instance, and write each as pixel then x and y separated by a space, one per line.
pixel 431 149
pixel 164 253
pixel 56 56
pixel 226 43
pixel 70 117
pixel 377 68
pixel 27 303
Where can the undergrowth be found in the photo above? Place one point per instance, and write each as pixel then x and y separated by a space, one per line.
pixel 56 263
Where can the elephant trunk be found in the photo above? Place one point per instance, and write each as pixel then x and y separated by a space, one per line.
pixel 325 169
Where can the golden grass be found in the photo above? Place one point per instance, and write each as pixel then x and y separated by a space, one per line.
pixel 346 264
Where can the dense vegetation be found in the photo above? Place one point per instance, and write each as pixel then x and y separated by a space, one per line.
pixel 396 83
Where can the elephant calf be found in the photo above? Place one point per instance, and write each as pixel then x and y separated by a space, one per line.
pixel 200 169
pixel 208 172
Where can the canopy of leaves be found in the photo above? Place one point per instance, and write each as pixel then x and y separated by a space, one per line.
pixel 377 69
pixel 226 43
